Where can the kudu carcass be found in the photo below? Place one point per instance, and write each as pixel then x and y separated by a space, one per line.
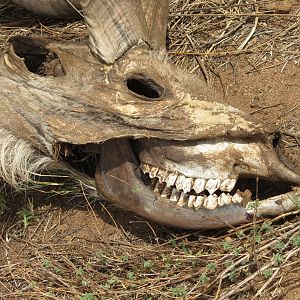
pixel 155 140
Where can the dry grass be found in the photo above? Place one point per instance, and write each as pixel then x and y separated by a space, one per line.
pixel 59 246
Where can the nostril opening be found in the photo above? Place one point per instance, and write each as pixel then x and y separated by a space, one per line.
pixel 144 87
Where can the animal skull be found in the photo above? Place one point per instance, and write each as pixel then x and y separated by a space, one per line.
pixel 156 140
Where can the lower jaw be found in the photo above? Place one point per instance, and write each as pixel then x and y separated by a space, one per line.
pixel 120 181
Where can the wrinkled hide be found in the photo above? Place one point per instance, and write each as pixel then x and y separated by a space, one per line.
pixel 154 139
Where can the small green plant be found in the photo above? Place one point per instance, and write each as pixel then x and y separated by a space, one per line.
pixel 131 276
pixel 125 258
pixel 211 266
pixel 84 283
pixel 296 241
pixel 26 215
pixel 233 276
pixel 227 246
pixel 80 272
pixel 87 296
pixel 277 259
pixel 280 246
pixel 179 291
pixel 241 234
pixel 203 278
pixel 148 264
pixel 267 273
pixel 46 264
pixel 266 227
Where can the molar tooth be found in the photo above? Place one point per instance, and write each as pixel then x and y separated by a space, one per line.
pixel 145 167
pixel 191 201
pixel 221 200
pixel 227 199
pixel 211 202
pixel 199 202
pixel 161 175
pixel 175 195
pixel 182 199
pixel 224 199
pixel 227 185
pixel 212 185
pixel 236 198
pixel 180 182
pixel 153 172
pixel 187 185
pixel 166 192
pixel 199 185
pixel 171 179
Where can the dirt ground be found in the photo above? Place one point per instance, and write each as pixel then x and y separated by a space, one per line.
pixel 62 244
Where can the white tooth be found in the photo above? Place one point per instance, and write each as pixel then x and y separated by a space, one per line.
pixel 153 172
pixel 180 182
pixel 191 201
pixel 227 185
pixel 162 174
pixel 221 200
pixel 175 195
pixel 145 168
pixel 182 199
pixel 199 185
pixel 227 198
pixel 171 179
pixel 199 202
pixel 187 185
pixel 166 192
pixel 212 185
pixel 236 198
pixel 224 199
pixel 211 202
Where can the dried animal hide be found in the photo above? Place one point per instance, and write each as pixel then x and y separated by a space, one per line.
pixel 154 139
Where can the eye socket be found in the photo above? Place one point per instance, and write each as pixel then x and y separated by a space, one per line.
pixel 144 87
pixel 37 58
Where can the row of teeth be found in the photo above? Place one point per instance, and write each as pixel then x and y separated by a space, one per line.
pixel 175 186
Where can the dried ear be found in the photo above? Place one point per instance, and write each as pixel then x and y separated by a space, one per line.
pixel 114 26
pixel 156 14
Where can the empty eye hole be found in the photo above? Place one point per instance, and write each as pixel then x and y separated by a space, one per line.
pixel 37 59
pixel 145 87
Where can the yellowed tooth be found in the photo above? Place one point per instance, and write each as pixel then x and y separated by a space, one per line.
pixel 199 202
pixel 236 198
pixel 180 182
pixel 211 202
pixel 212 185
pixel 153 172
pixel 187 185
pixel 175 195
pixel 227 185
pixel 145 168
pixel 199 185
pixel 171 179
pixel 162 175
pixel 182 199
pixel 191 201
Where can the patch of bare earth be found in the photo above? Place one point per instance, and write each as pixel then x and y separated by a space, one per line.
pixel 60 244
